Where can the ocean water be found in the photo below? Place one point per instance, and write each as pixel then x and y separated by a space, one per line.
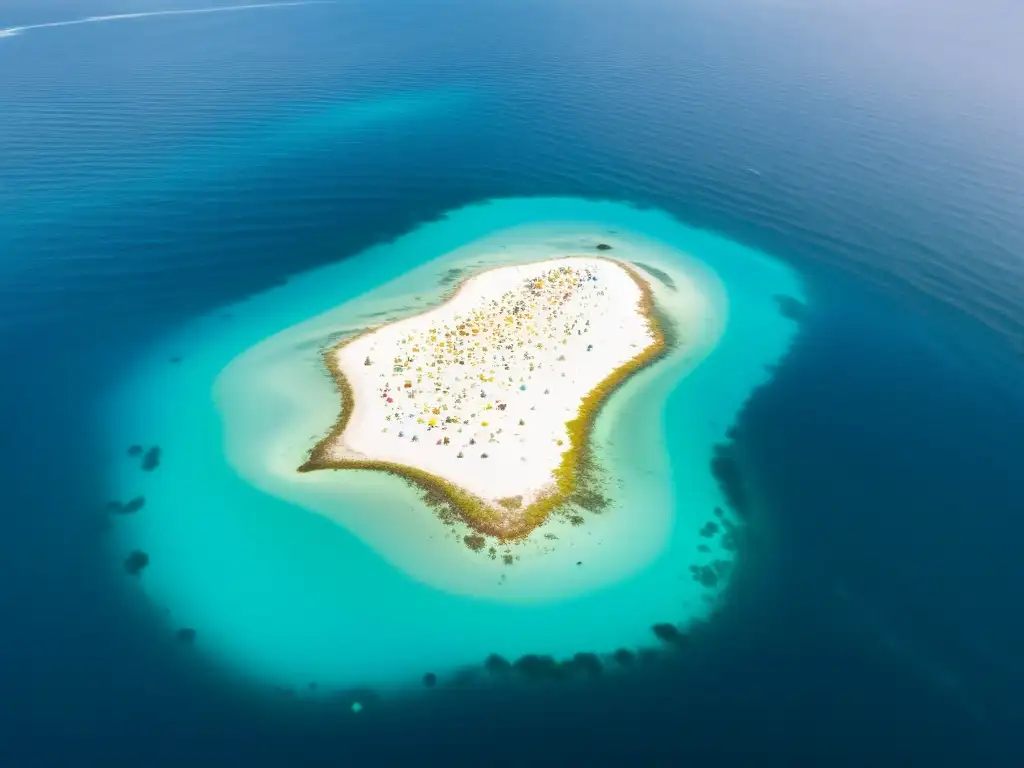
pixel 185 186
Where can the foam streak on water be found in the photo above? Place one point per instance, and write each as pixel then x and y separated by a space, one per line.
pixel 12 31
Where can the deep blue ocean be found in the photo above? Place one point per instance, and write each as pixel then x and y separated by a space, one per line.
pixel 155 169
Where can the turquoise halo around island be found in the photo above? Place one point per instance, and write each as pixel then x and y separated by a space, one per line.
pixel 348 578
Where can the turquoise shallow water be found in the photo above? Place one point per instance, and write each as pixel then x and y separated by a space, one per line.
pixel 347 579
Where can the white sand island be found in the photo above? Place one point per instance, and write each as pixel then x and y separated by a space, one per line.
pixel 487 401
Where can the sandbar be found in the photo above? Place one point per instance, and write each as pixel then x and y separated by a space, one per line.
pixel 487 401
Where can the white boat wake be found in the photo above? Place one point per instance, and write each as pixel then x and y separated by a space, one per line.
pixel 12 31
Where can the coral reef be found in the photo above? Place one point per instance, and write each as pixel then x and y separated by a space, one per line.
pixel 624 657
pixel 709 529
pixel 791 308
pixel 705 575
pixel 136 562
pixel 667 633
pixel 129 507
pixel 726 470
pixel 587 664
pixel 536 667
pixel 151 460
pixel 497 665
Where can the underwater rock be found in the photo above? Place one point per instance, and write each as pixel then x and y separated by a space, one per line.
pixel 726 471
pixel 186 635
pixel 533 666
pixel 705 575
pixel 667 633
pixel 709 529
pixel 152 459
pixel 624 657
pixel 587 663
pixel 497 665
pixel 128 508
pixel 603 247
pixel 791 308
pixel 136 562
pixel 135 451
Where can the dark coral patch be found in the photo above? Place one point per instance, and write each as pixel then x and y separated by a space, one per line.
pixel 152 459
pixel 497 665
pixel 705 575
pixel 603 247
pixel 587 664
pixel 726 470
pixel 791 308
pixel 186 635
pixel 667 633
pixel 130 507
pixel 135 451
pixel 136 562
pixel 535 667
pixel 709 529
pixel 429 680
pixel 624 657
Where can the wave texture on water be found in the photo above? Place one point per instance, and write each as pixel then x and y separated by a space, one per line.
pixel 12 31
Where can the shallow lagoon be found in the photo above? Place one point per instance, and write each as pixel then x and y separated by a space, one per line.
pixel 348 578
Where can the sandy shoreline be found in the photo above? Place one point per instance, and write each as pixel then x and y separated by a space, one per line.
pixel 487 400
